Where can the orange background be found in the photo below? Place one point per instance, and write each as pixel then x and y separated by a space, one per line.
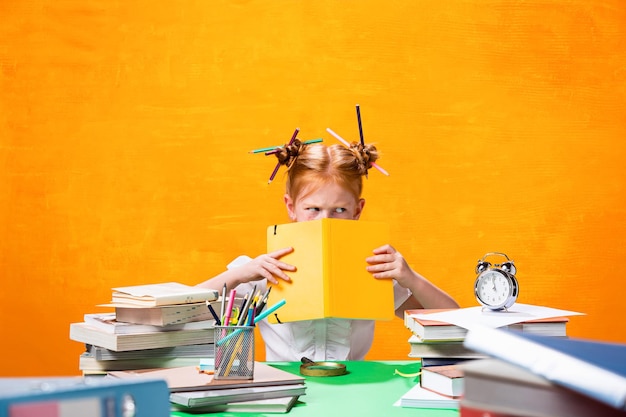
pixel 125 126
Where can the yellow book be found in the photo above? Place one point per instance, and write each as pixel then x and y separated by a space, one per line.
pixel 331 280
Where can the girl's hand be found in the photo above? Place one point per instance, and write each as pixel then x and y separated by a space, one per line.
pixel 266 266
pixel 388 263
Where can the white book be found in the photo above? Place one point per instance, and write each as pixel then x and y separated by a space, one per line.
pixel 107 322
pixel 88 364
pixel 270 405
pixel 82 332
pixel 187 351
pixel 418 397
pixel 195 399
pixel 167 293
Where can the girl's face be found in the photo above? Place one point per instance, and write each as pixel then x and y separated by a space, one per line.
pixel 329 201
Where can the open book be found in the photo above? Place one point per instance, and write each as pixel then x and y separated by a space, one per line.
pixel 331 280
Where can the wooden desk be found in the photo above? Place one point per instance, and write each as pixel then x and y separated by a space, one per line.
pixel 369 389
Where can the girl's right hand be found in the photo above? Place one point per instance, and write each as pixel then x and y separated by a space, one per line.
pixel 266 266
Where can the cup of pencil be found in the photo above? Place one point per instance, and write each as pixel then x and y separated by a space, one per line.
pixel 234 352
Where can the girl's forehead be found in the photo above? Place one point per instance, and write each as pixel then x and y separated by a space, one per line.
pixel 326 194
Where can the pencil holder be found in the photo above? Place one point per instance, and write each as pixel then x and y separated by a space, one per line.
pixel 234 352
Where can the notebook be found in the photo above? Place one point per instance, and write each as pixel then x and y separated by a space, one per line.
pixel 331 280
pixel 188 378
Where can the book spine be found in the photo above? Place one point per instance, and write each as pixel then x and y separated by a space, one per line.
pixel 554 365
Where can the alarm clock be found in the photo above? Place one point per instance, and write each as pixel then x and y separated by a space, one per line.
pixel 496 287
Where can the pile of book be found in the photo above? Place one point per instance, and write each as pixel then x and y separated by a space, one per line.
pixel 271 389
pixel 531 375
pixel 440 347
pixel 167 331
pixel 153 326
pixel 440 343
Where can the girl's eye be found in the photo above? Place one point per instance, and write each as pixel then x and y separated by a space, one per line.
pixel 313 209
pixel 340 210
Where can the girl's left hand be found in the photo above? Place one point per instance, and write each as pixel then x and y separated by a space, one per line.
pixel 388 263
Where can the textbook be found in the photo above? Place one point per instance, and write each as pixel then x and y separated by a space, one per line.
pixel 272 405
pixel 167 293
pixel 205 350
pixel 593 368
pixel 108 323
pixel 189 401
pixel 91 366
pixel 419 397
pixel 496 388
pixel 331 280
pixel 434 330
pixel 187 378
pixel 446 380
pixel 163 315
pixel 82 332
pixel 440 349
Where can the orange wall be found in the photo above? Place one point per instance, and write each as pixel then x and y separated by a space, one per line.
pixel 125 126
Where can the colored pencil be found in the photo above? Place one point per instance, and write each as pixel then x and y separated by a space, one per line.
pixel 345 142
pixel 295 133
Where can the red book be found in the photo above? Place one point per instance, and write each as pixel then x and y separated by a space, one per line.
pixel 445 380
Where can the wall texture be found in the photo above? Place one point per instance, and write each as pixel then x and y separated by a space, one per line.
pixel 125 128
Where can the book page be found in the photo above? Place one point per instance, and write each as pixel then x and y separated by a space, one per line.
pixel 479 316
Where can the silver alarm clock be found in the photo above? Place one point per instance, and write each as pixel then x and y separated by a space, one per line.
pixel 496 286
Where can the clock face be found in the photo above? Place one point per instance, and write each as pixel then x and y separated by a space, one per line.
pixel 495 289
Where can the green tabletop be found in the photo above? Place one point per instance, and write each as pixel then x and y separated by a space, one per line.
pixel 368 389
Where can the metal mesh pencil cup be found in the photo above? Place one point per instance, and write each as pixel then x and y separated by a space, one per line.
pixel 234 352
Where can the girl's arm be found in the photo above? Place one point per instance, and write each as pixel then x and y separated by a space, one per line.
pixel 267 266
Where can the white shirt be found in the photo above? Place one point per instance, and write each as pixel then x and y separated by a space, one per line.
pixel 319 340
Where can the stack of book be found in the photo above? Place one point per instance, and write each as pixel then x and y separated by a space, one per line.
pixel 271 389
pixel 441 343
pixel 530 375
pixel 438 387
pixel 438 340
pixel 153 326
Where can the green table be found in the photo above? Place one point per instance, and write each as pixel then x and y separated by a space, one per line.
pixel 369 389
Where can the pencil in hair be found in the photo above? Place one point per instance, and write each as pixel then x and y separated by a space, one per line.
pixel 358 116
pixel 295 133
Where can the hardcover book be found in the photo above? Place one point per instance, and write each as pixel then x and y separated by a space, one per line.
pixel 496 388
pixel 593 368
pixel 163 315
pixel 441 349
pixel 167 293
pixel 186 379
pixel 331 280
pixel 272 405
pixel 191 401
pixel 91 366
pixel 108 323
pixel 446 380
pixel 418 397
pixel 434 330
pixel 205 350
pixel 82 332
